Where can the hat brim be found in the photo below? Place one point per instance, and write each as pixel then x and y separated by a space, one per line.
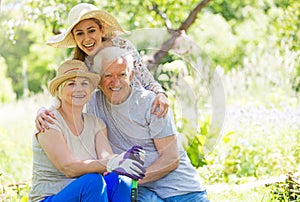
pixel 111 28
pixel 54 83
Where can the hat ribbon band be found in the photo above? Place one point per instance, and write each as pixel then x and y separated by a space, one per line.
pixel 72 70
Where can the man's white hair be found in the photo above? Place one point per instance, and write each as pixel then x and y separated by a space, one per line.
pixel 104 58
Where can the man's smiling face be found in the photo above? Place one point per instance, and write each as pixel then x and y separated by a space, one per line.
pixel 116 80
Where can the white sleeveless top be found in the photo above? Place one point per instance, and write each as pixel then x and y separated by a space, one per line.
pixel 46 179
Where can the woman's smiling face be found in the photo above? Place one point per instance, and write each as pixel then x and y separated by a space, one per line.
pixel 88 35
pixel 76 91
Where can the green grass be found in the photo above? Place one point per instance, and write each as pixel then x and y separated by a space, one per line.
pixel 16 129
pixel 231 193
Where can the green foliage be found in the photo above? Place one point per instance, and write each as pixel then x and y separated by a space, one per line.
pixel 13 54
pixel 195 147
pixel 232 31
pixel 6 93
pixel 146 16
pixel 15 192
pixel 52 14
pixel 31 63
pixel 287 27
pixel 256 148
pixel 286 189
pixel 40 68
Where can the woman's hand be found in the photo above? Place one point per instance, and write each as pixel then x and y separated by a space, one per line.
pixel 44 115
pixel 161 105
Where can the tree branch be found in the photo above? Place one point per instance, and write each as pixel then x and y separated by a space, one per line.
pixel 162 15
pixel 55 30
pixel 166 46
pixel 193 15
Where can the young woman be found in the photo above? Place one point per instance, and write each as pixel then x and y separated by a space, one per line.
pixel 70 158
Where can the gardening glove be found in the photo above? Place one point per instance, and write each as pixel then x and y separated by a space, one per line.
pixel 129 163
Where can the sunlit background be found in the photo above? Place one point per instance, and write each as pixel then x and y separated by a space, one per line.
pixel 232 76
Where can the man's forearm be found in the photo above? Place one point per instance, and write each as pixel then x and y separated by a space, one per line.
pixel 160 168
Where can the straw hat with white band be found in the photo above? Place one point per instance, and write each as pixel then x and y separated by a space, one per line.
pixel 81 12
pixel 71 69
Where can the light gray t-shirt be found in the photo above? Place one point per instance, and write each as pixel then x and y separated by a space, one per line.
pixel 46 179
pixel 132 123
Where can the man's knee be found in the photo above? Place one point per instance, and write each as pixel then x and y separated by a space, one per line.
pixel 146 195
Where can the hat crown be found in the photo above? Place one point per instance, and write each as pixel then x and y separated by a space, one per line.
pixel 78 11
pixel 71 67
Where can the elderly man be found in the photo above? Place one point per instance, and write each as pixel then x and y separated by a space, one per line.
pixel 126 109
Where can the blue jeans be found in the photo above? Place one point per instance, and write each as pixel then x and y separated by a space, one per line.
pixel 200 196
pixel 146 195
pixel 94 187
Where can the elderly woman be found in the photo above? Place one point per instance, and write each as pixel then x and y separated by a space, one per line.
pixel 70 158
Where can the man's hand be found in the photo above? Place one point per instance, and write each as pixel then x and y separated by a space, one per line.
pixel 129 163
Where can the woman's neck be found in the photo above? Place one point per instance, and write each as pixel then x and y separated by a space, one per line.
pixel 73 117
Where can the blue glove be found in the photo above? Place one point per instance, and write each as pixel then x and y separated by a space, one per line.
pixel 129 163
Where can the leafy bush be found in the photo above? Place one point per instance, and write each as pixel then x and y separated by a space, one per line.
pixel 286 190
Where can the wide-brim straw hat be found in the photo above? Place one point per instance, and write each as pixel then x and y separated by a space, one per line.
pixel 71 69
pixel 81 12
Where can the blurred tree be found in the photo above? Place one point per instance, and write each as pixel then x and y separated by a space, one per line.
pixel 287 26
pixel 6 93
pixel 52 17
pixel 13 52
pixel 19 40
pixel 228 31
